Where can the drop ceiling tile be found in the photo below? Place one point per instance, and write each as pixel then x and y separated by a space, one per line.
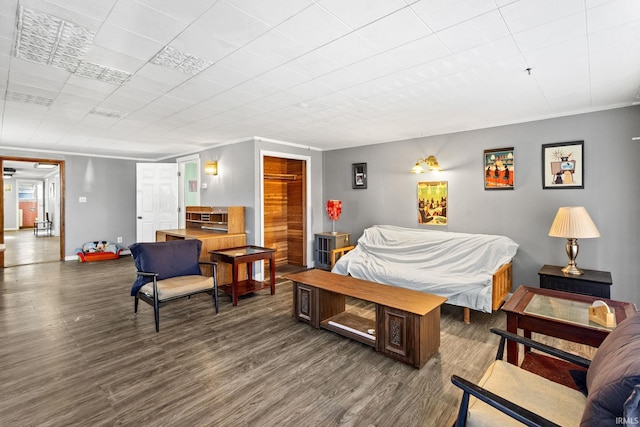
pixel 357 13
pixel 125 42
pixel 419 51
pixel 312 64
pixel 168 77
pixel 283 77
pixel 551 33
pixel 439 15
pixel 374 67
pixel 493 51
pixel 475 32
pixel 196 90
pixel 311 90
pixel 113 59
pixel 556 54
pixel 230 24
pixel 63 11
pixel 185 11
pixel 142 88
pixel 271 12
pixel 74 102
pixel 97 10
pixel 527 14
pixel 93 84
pixel 21 66
pixel 225 76
pixel 7 26
pixel 145 21
pixel 383 33
pixel 248 62
pixel 314 27
pixel 230 99
pixel 6 46
pixel 202 44
pixel 280 48
pixel 348 49
pixel 613 14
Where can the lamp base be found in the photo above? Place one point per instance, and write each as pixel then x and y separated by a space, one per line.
pixel 572 269
pixel 572 252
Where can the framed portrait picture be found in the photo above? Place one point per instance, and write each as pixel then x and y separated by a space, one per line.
pixel 499 171
pixel 563 165
pixel 432 202
pixel 359 175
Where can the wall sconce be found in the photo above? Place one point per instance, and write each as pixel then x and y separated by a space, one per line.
pixel 211 168
pixel 430 161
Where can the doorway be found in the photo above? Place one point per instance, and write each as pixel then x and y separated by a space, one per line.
pixel 284 211
pixel 23 243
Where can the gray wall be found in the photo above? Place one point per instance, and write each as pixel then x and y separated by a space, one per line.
pixel 611 193
pixel 110 211
pixel 11 205
pixel 110 188
pixel 238 182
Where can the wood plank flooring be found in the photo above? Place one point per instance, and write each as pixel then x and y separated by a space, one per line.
pixel 23 247
pixel 73 353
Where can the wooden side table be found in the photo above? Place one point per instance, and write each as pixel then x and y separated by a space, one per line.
pixel 592 282
pixel 246 255
pixel 557 314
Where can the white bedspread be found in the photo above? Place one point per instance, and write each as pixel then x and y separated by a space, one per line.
pixel 458 266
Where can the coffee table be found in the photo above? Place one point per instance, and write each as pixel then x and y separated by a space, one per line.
pixel 557 314
pixel 406 325
pixel 246 255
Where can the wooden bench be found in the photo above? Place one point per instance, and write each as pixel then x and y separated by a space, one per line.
pixel 406 325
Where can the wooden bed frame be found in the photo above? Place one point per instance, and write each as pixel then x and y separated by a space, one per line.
pixel 501 286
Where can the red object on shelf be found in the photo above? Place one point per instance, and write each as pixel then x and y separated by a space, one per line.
pixel 334 209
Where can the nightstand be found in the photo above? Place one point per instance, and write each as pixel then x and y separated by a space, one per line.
pixel 592 282
pixel 325 243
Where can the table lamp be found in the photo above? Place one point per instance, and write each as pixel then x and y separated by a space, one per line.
pixel 334 209
pixel 573 223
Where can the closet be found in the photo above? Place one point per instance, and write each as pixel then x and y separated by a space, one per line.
pixel 285 209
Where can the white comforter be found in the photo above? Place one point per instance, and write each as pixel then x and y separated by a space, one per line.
pixel 458 266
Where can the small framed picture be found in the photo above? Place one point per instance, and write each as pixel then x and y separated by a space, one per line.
pixel 359 178
pixel 563 165
pixel 499 171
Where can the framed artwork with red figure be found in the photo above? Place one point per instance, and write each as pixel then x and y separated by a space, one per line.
pixel 499 171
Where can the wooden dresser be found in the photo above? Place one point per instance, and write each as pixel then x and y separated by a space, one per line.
pixel 217 228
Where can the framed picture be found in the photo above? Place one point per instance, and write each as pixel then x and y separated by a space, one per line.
pixel 499 172
pixel 432 202
pixel 563 165
pixel 359 175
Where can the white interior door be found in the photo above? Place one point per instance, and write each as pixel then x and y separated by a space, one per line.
pixel 156 199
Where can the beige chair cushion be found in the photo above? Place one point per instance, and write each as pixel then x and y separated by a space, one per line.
pixel 178 286
pixel 560 404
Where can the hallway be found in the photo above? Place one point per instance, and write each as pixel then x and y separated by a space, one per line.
pixel 23 247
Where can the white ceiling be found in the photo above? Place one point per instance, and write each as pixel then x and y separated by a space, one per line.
pixel 325 73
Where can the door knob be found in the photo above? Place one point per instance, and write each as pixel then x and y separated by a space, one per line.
pixel 139 217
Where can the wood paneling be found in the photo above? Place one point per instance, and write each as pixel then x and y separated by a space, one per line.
pixel 284 209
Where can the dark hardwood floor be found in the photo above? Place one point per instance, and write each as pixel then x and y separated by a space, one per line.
pixel 74 353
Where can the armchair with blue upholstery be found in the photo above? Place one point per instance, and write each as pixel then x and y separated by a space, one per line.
pixel 509 395
pixel 168 271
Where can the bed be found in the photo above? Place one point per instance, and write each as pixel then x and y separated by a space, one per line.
pixel 472 271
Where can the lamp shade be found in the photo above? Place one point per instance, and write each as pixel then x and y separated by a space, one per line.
pixel 573 223
pixel 334 209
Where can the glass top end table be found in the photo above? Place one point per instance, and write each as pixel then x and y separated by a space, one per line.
pixel 575 312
